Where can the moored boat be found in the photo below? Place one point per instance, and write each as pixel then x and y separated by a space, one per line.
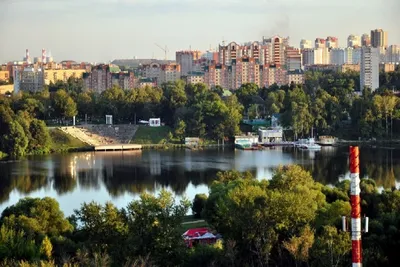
pixel 308 144
pixel 326 140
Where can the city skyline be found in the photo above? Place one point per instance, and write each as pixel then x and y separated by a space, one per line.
pixel 100 31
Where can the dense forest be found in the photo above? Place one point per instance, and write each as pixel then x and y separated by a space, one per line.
pixel 329 103
pixel 290 220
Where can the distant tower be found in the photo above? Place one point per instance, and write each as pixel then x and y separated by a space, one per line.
pixel 44 56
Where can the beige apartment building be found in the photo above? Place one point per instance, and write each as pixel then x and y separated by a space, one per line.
pixel 52 76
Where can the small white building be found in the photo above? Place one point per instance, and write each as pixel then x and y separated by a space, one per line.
pixel 155 122
pixel 270 135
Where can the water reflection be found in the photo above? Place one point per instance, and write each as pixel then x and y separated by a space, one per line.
pixel 119 177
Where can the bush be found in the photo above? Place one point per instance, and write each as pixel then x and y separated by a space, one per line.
pixel 198 205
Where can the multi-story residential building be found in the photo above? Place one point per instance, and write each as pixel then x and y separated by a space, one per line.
pixel 295 77
pixel 262 52
pixel 294 59
pixel 320 43
pixel 243 70
pixel 353 40
pixel 125 80
pixel 392 54
pixel 275 75
pixel 195 77
pixel 387 67
pixel 185 60
pixel 216 74
pixel 162 73
pixel 369 69
pixel 337 56
pixel 52 76
pixel 5 76
pixel 321 56
pixel 349 67
pixel 379 38
pixel 365 40
pixel 356 55
pixel 169 73
pixel 306 44
pixel 32 80
pixel 324 67
pixel 99 79
pixel 308 56
pixel 332 42
pixel 278 45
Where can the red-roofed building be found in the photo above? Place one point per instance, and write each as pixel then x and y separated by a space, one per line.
pixel 195 236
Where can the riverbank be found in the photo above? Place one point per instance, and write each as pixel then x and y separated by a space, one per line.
pixel 62 142
pixel 378 143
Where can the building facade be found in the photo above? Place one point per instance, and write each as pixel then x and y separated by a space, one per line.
pixel 32 80
pixel 379 38
pixel 294 59
pixel 99 80
pixel 306 44
pixel 52 76
pixel 353 40
pixel 369 69
pixel 365 40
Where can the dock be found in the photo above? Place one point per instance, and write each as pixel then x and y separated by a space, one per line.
pixel 115 147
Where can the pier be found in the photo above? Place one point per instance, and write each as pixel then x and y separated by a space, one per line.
pixel 115 147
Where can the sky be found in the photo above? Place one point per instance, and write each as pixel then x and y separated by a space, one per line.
pixel 104 30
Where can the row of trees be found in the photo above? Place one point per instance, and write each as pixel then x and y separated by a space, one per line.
pixel 327 102
pixel 287 221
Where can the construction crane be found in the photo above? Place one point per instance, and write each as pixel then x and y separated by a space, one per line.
pixel 165 49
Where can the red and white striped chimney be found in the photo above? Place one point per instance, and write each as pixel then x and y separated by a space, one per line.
pixel 355 207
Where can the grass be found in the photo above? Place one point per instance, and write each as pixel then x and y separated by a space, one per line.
pixel 190 222
pixel 151 135
pixel 62 142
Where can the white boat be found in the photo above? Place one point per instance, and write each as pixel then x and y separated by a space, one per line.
pixel 308 144
pixel 325 140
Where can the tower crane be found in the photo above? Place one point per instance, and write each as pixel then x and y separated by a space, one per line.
pixel 165 49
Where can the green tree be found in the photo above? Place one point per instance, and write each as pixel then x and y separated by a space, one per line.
pixel 15 141
pixel 198 204
pixel 40 137
pixel 37 216
pixel 64 105
pixel 180 130
pixel 299 246
pixel 331 248
pixel 46 249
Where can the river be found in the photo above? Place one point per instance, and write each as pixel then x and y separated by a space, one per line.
pixel 120 177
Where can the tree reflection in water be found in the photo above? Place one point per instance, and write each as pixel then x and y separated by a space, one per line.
pixel 134 172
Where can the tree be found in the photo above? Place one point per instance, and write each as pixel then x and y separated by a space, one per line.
pixel 37 216
pixel 245 94
pixel 299 246
pixel 331 248
pixel 15 141
pixel 64 105
pixel 180 130
pixel 40 137
pixel 46 249
pixel 198 205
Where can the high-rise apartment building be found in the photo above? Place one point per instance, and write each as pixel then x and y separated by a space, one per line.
pixel 185 60
pixel 162 73
pixel 337 56
pixel 99 80
pixel 393 54
pixel 305 44
pixel 320 43
pixel 332 42
pixel 279 46
pixel 365 40
pixel 369 69
pixel 353 40
pixel 294 59
pixel 32 80
pixel 215 74
pixel 379 38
